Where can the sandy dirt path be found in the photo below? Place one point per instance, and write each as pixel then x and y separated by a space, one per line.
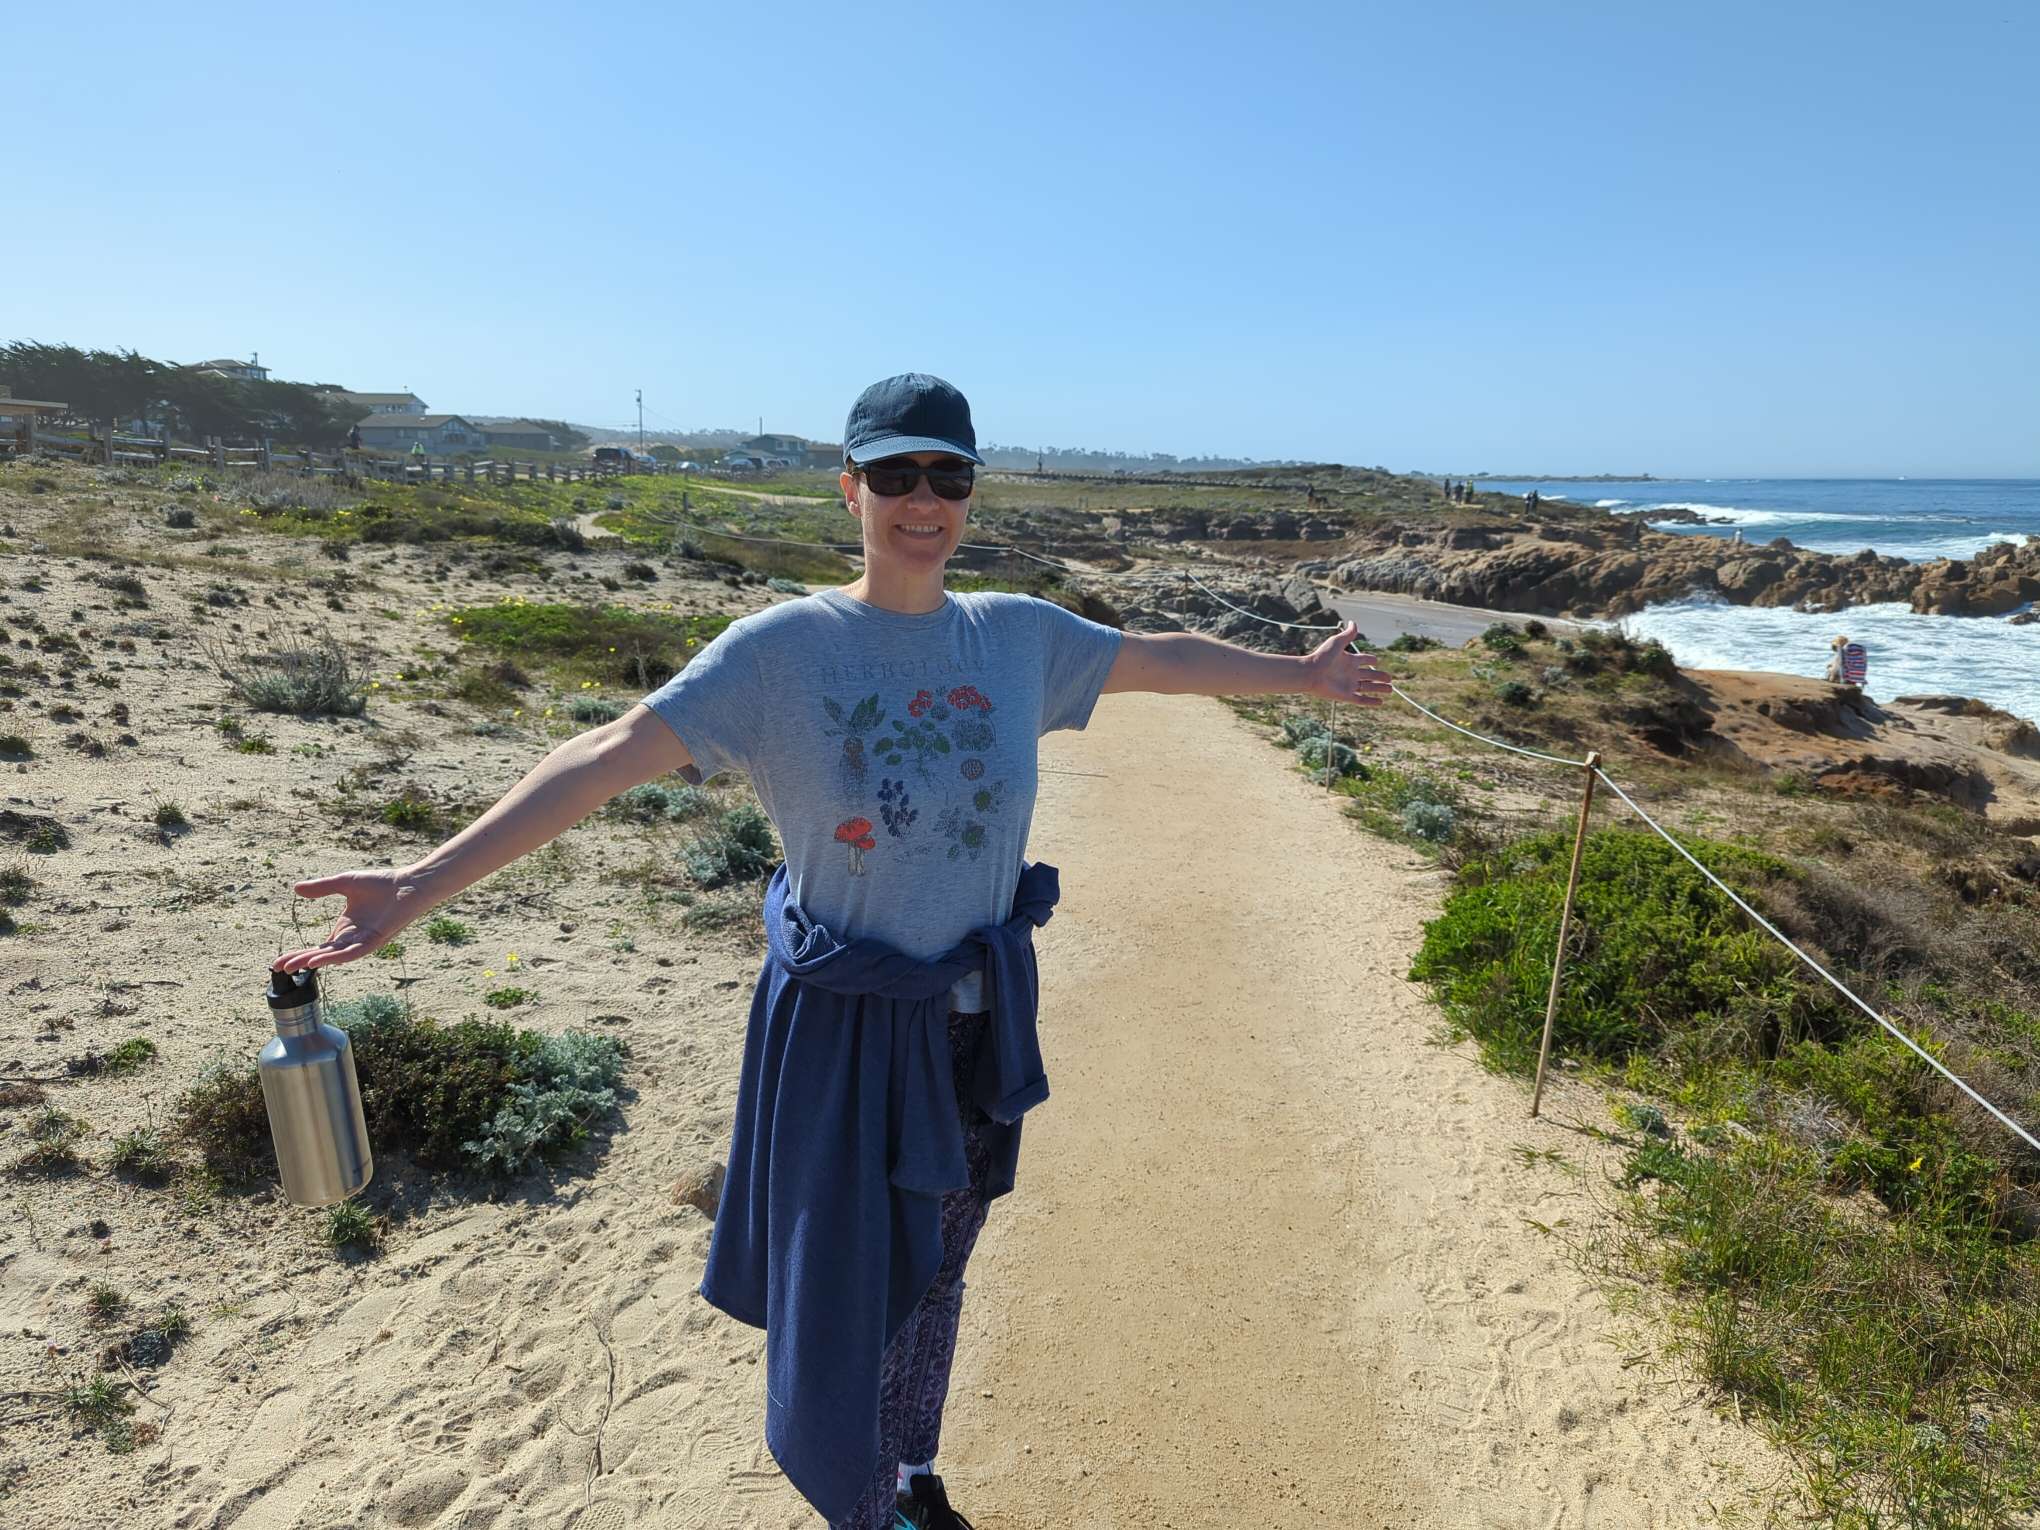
pixel 1266 1263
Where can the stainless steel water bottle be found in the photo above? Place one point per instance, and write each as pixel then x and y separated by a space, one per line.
pixel 313 1097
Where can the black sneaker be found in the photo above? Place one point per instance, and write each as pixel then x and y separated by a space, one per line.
pixel 926 1506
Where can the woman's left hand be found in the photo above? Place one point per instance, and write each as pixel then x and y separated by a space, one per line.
pixel 1341 676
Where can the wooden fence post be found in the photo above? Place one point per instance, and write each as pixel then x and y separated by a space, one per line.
pixel 1572 883
pixel 219 452
pixel 268 456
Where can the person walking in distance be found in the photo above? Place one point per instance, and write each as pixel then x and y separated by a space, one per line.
pixel 891 731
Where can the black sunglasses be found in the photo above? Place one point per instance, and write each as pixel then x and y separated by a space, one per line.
pixel 898 475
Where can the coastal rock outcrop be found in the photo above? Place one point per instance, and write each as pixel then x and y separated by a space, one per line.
pixel 1617 566
pixel 1158 601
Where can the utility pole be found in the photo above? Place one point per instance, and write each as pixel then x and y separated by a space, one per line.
pixel 640 419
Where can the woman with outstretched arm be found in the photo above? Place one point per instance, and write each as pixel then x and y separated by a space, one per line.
pixel 890 729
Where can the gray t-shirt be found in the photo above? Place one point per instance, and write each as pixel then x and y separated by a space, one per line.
pixel 894 753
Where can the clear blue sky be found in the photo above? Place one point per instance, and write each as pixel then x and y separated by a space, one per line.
pixel 1766 239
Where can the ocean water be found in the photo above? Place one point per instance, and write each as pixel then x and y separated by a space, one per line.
pixel 1916 518
pixel 1985 657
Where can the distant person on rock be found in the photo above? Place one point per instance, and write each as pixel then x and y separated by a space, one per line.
pixel 354 438
pixel 891 731
pixel 1850 664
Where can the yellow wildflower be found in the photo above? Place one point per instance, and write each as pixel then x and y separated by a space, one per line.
pixel 510 956
pixel 486 973
pixel 1914 1166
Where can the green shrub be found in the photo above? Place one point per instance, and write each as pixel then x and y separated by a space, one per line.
pixel 1321 752
pixel 654 802
pixel 428 1087
pixel 14 747
pixel 169 817
pixel 411 810
pixel 130 1054
pixel 1660 952
pixel 104 1302
pixel 1503 638
pixel 569 1081
pixel 474 1094
pixel 311 677
pixel 736 847
pixel 595 709
pixel 785 586
pixel 1515 693
pixel 508 998
pixel 445 930
pixel 349 1224
pixel 1653 658
pixel 53 1135
pixel 1411 642
pixel 1299 727
pixel 370 1009
pixel 1429 821
pixel 224 1117
pixel 140 1154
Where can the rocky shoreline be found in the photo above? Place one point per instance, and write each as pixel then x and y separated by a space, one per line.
pixel 1616 566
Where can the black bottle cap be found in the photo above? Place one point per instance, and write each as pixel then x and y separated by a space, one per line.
pixel 293 990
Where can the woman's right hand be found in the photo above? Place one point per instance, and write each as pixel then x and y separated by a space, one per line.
pixel 379 903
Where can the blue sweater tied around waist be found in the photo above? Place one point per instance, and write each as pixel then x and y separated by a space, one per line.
pixel 847 1133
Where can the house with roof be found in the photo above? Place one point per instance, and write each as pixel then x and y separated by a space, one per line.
pixel 774 450
pixel 250 370
pixel 376 403
pixel 518 435
pixel 437 432
pixel 19 418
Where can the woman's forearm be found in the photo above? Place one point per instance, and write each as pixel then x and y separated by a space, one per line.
pixel 558 792
pixel 1190 664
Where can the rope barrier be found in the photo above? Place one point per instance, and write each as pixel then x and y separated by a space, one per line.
pixel 1734 897
pixel 1836 983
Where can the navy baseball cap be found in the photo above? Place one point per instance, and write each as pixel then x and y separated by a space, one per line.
pixel 909 413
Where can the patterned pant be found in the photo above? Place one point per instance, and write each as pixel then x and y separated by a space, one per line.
pixel 914 1376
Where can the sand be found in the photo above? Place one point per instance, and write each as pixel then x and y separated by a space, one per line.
pixel 1270 1260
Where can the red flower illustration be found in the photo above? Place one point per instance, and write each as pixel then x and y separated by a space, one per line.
pixel 918 707
pixel 856 833
pixel 967 696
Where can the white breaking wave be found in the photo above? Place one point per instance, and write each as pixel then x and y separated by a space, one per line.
pixel 1910 654
pixel 1923 538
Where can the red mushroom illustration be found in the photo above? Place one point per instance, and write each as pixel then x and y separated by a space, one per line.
pixel 856 833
